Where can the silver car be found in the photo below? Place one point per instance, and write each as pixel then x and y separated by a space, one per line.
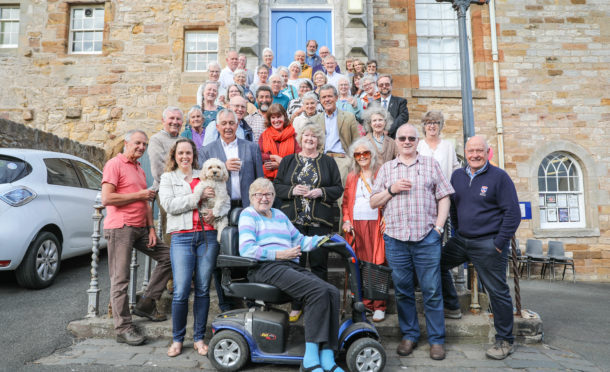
pixel 46 205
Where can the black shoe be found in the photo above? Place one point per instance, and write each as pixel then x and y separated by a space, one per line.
pixel 131 337
pixel 147 308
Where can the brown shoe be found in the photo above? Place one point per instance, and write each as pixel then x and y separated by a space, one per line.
pixel 437 351
pixel 406 347
pixel 147 308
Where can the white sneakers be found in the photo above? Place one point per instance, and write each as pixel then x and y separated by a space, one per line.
pixel 378 316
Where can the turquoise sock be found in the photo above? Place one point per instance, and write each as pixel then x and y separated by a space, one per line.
pixel 311 357
pixel 327 359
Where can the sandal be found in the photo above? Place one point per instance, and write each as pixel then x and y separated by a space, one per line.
pixel 201 349
pixel 174 350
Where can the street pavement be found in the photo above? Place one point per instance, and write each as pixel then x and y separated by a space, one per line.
pixel 34 336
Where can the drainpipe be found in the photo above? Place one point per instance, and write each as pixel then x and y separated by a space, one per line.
pixel 369 29
pixel 494 55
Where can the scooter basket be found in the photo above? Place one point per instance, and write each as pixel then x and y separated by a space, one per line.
pixel 375 281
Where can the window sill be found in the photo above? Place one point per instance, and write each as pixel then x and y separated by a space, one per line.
pixel 566 233
pixel 446 93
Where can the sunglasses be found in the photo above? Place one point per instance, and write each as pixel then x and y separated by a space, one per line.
pixel 362 155
pixel 404 138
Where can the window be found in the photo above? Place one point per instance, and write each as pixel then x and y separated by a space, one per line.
pixel 9 26
pixel 561 196
pixel 92 177
pixel 86 29
pixel 61 172
pixel 201 48
pixel 13 169
pixel 438 49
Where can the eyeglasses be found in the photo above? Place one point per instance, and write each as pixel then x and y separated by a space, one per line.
pixel 384 84
pixel 362 155
pixel 404 138
pixel 260 195
pixel 432 123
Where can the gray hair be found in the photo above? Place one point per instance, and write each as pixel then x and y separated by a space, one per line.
pixel 313 78
pixel 262 67
pixel 214 64
pixel 315 129
pixel 330 87
pixel 268 50
pixel 283 68
pixel 309 95
pixel 276 76
pixel 260 184
pixel 329 57
pixel 363 142
pixel 169 109
pixel 193 109
pixel 210 82
pixel 240 71
pixel 131 132
pixel 433 116
pixel 295 63
pixel 408 125
pixel 366 78
pixel 376 109
pixel 344 78
pixel 226 111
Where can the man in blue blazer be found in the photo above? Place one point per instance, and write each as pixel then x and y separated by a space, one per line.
pixel 242 158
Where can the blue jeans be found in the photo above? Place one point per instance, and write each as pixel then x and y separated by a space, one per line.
pixel 190 253
pixel 421 258
pixel 491 269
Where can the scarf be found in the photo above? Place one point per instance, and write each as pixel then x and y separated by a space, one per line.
pixel 270 139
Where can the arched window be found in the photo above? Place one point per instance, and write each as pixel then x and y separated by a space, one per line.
pixel 560 192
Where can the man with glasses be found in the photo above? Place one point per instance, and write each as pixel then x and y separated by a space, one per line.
pixel 244 131
pixel 415 196
pixel 276 82
pixel 396 106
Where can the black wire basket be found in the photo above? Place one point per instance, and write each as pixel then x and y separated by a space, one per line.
pixel 376 281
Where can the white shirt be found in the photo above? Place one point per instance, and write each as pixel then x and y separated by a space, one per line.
pixel 232 151
pixel 226 78
pixel 333 142
pixel 362 202
pixel 386 99
pixel 334 79
pixel 444 154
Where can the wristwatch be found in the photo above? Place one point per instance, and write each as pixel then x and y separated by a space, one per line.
pixel 440 229
pixel 390 191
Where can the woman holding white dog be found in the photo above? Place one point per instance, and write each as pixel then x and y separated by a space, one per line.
pixel 194 247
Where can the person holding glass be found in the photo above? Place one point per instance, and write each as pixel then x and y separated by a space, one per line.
pixel 194 247
pixel 308 183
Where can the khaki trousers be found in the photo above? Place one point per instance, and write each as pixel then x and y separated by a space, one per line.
pixel 120 243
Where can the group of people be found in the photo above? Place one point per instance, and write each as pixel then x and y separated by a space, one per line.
pixel 304 163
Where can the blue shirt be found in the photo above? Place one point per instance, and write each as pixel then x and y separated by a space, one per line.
pixel 282 99
pixel 473 175
pixel 333 142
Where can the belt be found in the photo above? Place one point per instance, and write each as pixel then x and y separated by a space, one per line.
pixel 336 154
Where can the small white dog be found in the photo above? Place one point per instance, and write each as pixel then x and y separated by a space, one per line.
pixel 214 174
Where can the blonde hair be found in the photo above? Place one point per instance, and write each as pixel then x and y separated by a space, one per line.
pixel 316 131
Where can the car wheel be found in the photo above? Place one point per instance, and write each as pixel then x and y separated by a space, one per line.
pixel 228 351
pixel 41 262
pixel 365 354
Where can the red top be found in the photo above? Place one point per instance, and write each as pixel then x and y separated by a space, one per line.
pixel 196 224
pixel 127 177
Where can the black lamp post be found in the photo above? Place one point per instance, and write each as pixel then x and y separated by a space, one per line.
pixel 461 7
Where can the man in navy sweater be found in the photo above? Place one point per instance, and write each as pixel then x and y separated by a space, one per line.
pixel 485 214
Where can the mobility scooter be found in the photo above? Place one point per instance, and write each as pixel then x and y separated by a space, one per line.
pixel 263 334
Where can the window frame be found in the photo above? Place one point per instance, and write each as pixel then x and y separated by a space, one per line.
pixel 18 21
pixel 205 51
pixel 71 31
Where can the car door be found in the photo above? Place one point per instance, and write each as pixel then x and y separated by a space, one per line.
pixel 73 202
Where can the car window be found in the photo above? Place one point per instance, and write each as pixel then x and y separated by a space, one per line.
pixel 13 169
pixel 91 176
pixel 61 172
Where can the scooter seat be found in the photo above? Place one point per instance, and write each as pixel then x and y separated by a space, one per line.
pixel 257 291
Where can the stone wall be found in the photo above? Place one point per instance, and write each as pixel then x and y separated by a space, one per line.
pixel 19 136
pixel 94 99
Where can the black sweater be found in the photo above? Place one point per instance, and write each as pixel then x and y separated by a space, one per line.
pixel 486 206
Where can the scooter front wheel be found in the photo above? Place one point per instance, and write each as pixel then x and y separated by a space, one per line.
pixel 365 354
pixel 228 351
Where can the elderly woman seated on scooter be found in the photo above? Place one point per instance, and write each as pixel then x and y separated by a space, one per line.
pixel 266 234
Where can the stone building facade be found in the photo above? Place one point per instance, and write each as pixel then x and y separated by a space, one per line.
pixel 540 74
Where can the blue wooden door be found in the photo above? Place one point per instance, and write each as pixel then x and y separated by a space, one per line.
pixel 290 31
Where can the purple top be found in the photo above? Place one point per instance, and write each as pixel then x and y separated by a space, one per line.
pixel 198 138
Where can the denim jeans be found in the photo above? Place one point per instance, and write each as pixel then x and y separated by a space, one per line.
pixel 491 269
pixel 190 253
pixel 421 258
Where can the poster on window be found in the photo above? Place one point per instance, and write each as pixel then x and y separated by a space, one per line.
pixel 551 215
pixel 574 215
pixel 563 215
pixel 542 215
pixel 573 201
pixel 541 200
pixel 562 201
pixel 551 200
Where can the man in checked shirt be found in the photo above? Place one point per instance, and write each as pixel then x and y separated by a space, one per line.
pixel 415 194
